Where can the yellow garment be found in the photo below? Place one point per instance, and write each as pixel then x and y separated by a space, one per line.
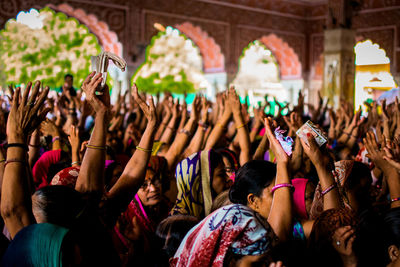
pixel 193 176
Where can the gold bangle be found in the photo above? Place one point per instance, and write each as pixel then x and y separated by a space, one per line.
pixel 96 147
pixel 241 126
pixel 220 125
pixel 144 150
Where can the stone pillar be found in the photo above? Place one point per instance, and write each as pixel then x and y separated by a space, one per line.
pixel 339 65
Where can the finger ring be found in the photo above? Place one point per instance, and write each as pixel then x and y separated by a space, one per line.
pixel 338 243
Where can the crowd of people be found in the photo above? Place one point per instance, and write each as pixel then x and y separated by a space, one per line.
pixel 155 182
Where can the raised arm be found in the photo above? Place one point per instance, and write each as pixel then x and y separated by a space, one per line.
pixel 171 127
pixel 24 117
pixel 280 216
pixel 378 155
pixel 196 143
pixel 184 135
pixel 322 164
pixel 220 127
pixel 134 173
pixel 91 174
pixel 241 127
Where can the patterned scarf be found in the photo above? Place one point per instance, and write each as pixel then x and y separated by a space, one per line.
pixel 193 177
pixel 235 228
pixel 342 171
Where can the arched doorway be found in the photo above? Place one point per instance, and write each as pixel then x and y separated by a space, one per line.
pixel 373 76
pixel 258 74
pixel 172 63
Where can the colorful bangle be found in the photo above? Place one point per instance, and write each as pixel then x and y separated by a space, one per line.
pixel 55 138
pixel 241 126
pixel 171 128
pixel 14 160
pixel 281 186
pixel 143 149
pixel 24 146
pixel 96 147
pixel 205 126
pixel 220 125
pixel 395 199
pixel 75 162
pixel 185 132
pixel 328 189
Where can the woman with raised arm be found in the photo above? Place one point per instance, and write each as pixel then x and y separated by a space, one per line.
pixel 244 232
pixel 33 244
pixel 184 135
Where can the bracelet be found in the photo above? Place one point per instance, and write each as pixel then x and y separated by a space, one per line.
pixel 185 132
pixel 205 126
pixel 34 145
pixel 14 160
pixel 96 147
pixel 75 162
pixel 220 125
pixel 328 189
pixel 395 199
pixel 241 126
pixel 24 146
pixel 3 160
pixel 144 150
pixel 171 128
pixel 55 138
pixel 280 186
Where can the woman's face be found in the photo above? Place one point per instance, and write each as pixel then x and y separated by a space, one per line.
pixel 229 169
pixel 262 204
pixel 150 192
pixel 220 181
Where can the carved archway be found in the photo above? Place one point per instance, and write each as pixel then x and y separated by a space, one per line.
pixel 108 39
pixel 213 59
pixel 288 60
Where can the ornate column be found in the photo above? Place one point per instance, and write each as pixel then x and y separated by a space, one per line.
pixel 339 65
pixel 339 42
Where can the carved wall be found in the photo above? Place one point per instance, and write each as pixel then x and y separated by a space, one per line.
pixel 232 24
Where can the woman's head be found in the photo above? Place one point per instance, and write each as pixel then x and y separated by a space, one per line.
pixel 392 236
pixel 302 197
pixel 57 204
pixel 358 185
pixel 155 183
pixel 172 230
pixel 252 183
pixel 42 244
pixel 230 161
pixel 220 180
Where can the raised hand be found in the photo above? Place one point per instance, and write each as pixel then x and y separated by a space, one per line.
pixel 375 153
pixel 25 116
pixel 99 103
pixel 314 153
pixel 73 139
pixel 48 127
pixel 342 241
pixel 392 154
pixel 280 154
pixel 196 108
pixel 148 108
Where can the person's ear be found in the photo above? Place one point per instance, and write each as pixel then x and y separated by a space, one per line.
pixel 253 202
pixel 393 252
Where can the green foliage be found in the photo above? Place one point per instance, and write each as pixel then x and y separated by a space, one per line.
pixel 62 46
pixel 153 83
